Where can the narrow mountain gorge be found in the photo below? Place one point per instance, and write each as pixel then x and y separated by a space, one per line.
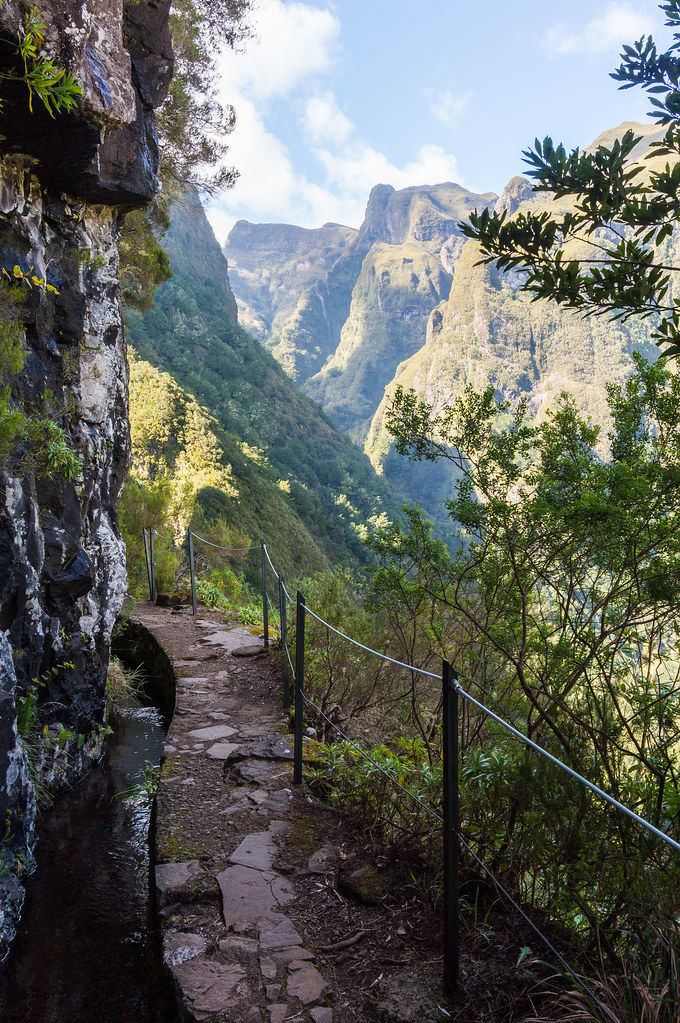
pixel 403 301
pixel 356 321
pixel 288 473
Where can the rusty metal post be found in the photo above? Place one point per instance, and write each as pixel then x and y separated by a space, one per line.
pixel 265 604
pixel 284 640
pixel 192 570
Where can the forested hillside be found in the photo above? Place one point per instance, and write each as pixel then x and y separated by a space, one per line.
pixel 296 478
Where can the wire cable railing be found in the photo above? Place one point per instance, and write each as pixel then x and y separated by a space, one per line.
pixel 519 735
pixel 218 547
pixel 294 669
pixel 271 563
pixel 369 650
pixel 488 873
pixel 161 536
pixel 290 661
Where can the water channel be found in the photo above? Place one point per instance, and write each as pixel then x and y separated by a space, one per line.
pixel 87 947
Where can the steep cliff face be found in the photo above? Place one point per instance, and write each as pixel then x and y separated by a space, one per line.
pixel 271 264
pixel 65 184
pixel 351 305
pixel 488 332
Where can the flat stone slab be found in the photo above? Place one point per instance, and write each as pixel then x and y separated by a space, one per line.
pixel 258 772
pixel 256 850
pixel 180 947
pixel 278 934
pixel 291 954
pixel 249 895
pixel 273 746
pixel 277 802
pixel 252 650
pixel 172 876
pixel 322 1015
pixel 209 987
pixel 238 944
pixel 306 983
pixel 212 732
pixel 268 968
pixel 222 750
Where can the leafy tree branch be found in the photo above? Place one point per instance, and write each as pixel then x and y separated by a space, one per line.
pixel 602 247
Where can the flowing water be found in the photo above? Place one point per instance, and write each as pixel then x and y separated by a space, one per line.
pixel 86 949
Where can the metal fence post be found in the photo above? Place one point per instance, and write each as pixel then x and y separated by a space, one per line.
pixel 450 826
pixel 265 606
pixel 148 563
pixel 153 566
pixel 299 687
pixel 284 639
pixel 192 569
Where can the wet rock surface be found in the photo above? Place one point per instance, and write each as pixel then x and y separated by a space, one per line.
pixel 65 184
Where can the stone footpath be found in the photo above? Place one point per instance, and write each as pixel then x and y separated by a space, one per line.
pixel 224 802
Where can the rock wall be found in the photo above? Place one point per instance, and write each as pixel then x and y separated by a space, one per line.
pixel 65 185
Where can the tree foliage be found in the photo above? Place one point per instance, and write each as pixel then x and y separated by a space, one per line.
pixel 564 599
pixel 606 253
pixel 193 132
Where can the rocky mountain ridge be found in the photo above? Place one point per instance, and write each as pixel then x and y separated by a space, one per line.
pixel 412 307
pixel 363 307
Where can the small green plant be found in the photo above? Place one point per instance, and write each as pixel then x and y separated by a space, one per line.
pixel 55 88
pixel 19 276
pixel 64 736
pixel 59 458
pixel 211 595
pixel 228 592
pixel 27 710
pixel 144 791
pixel 86 258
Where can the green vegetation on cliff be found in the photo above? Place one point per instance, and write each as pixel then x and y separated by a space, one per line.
pixel 287 473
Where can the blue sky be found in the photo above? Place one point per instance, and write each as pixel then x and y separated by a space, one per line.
pixel 333 98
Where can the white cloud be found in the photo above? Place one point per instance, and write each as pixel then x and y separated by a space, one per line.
pixel 620 22
pixel 285 68
pixel 291 43
pixel 363 166
pixel 325 121
pixel 447 107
